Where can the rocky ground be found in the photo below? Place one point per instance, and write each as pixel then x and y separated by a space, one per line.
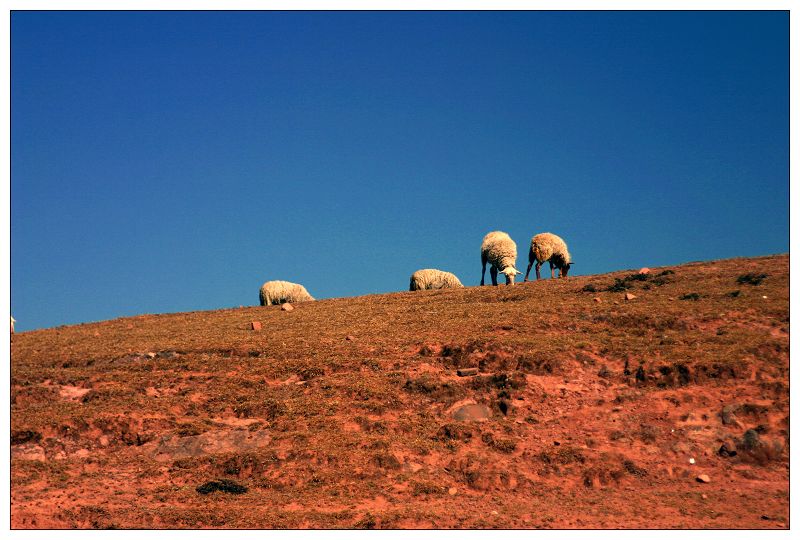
pixel 551 404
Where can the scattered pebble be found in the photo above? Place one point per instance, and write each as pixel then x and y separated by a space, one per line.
pixel 704 496
pixel 629 296
pixel 349 338
pixel 764 297
pixel 494 512
pixel 597 299
pixel 255 325
pixel 704 478
pixel 452 491
pixel 466 372
pixel 287 307
pixel 691 460
pixel 644 270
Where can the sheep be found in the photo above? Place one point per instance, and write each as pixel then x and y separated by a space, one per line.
pixel 549 247
pixel 430 278
pixel 499 250
pixel 13 320
pixel 280 292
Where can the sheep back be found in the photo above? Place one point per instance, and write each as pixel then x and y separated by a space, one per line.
pixel 499 249
pixel 549 247
pixel 281 292
pixel 431 278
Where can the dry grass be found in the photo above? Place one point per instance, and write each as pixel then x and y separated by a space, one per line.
pixel 355 397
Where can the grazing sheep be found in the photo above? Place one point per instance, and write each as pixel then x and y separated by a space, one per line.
pixel 499 250
pixel 280 292
pixel 430 278
pixel 549 247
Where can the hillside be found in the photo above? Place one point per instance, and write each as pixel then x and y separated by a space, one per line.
pixel 583 410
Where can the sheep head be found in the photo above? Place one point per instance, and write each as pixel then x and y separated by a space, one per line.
pixel 510 272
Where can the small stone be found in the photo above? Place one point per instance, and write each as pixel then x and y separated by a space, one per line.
pixel 597 299
pixel 704 479
pixel 764 297
pixel 466 372
pixel 629 296
pixel 349 338
pixel 32 452
pixel 150 355
pixel 704 496
pixel 556 443
pixel 728 415
pixel 728 449
pixel 691 460
pixel 616 303
pixel 287 307
pixel 412 467
pixel 473 412
pixel 494 512
pixel 644 270
pixel 452 491
pixel 255 325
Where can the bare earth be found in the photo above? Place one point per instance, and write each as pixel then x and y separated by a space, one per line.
pixel 351 413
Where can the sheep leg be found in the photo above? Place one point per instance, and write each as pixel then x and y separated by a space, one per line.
pixel 483 272
pixel 528 271
pixel 538 265
pixel 493 273
pixel 552 271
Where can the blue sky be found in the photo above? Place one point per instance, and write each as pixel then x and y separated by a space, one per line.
pixel 174 161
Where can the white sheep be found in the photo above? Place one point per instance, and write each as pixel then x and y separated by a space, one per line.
pixel 499 250
pixel 280 292
pixel 549 247
pixel 430 278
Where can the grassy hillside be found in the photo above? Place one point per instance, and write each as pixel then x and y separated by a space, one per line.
pixel 582 409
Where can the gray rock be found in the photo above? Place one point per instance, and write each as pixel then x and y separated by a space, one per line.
pixel 472 413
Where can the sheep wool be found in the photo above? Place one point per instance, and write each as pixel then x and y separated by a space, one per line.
pixel 281 292
pixel 500 251
pixel 431 278
pixel 548 247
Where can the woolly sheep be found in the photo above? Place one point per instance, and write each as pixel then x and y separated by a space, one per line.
pixel 280 292
pixel 549 247
pixel 430 278
pixel 499 250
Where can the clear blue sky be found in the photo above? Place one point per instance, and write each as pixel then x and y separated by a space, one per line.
pixel 174 161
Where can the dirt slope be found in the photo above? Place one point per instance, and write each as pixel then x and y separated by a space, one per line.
pixel 352 413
